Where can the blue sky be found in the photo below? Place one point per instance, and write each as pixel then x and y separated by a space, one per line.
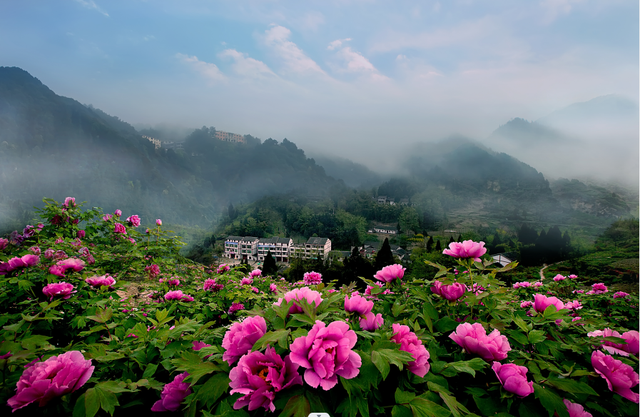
pixel 346 76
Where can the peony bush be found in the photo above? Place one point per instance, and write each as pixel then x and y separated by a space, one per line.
pixel 217 340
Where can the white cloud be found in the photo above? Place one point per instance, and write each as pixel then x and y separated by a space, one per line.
pixel 208 70
pixel 337 43
pixel 246 66
pixel 90 4
pixel 294 59
pixel 355 61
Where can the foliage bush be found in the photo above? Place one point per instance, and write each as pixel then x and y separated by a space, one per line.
pixel 389 351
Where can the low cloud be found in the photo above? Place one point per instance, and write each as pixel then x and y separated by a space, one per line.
pixel 246 66
pixel 208 70
pixel 293 58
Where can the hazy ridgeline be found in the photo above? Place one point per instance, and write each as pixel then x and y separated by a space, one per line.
pixel 51 146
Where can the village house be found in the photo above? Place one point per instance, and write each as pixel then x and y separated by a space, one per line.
pixel 282 249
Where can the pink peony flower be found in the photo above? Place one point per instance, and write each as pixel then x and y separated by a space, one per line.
pixel 631 337
pixel 59 255
pixel 466 249
pixel 158 222
pixel 69 202
pixel 526 304
pixel 241 337
pixel 58 289
pixel 573 276
pixel 390 273
pixel 55 377
pixel 273 287
pixel 450 292
pixel 170 281
pixel 173 394
pixel 177 295
pixel 523 284
pixel 72 263
pixel 312 278
pixel 573 305
pixel 559 278
pixel 537 284
pixel 3 243
pixel 576 410
pixel 35 250
pixel 370 322
pixel 246 281
pixel 598 288
pixel 259 376
pixel 620 294
pixel 357 304
pixel 473 339
pixel 133 220
pixel 100 281
pixel 107 217
pixel 57 270
pixel 620 377
pixel 81 234
pixel 235 307
pixel 222 268
pixel 118 213
pixel 152 270
pixel 212 285
pixel 197 345
pixel 119 228
pixel 15 263
pixel 513 378
pixel 255 273
pixel 298 295
pixel 410 343
pixel 326 354
pixel 541 302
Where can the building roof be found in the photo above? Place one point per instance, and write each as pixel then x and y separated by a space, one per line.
pixel 317 241
pixel 234 237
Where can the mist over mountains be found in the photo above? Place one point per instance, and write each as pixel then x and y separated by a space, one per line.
pixel 52 146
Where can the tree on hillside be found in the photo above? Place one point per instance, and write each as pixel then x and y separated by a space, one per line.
pixel 384 256
pixel 269 266
pixel 438 246
pixel 430 244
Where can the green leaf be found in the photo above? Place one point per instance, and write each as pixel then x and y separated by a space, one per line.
pixel 519 337
pixel 521 324
pixel 79 409
pixel 150 370
pixel 191 362
pixel 113 386
pixel 270 338
pixel 297 406
pixel 397 309
pixel 550 401
pixel 428 309
pixel 537 336
pixel 399 411
pixel 396 357
pixel 213 389
pixel 381 362
pixel 91 402
pixel 404 397
pixel 423 407
pixel 446 324
pixel 570 385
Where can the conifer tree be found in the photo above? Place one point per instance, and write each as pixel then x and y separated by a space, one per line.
pixel 438 247
pixel 269 266
pixel 430 244
pixel 384 256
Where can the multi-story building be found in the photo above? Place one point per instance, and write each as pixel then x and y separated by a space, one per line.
pixel 241 247
pixel 317 247
pixel 280 248
pixel 229 137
